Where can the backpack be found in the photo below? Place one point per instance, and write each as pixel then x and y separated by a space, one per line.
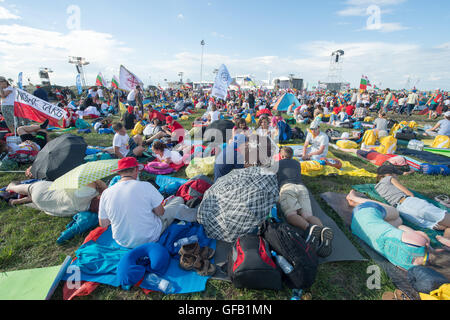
pixel 285 131
pixel 250 264
pixel 431 169
pixel 406 133
pixel 391 123
pixel 441 142
pixel 297 134
pixel 288 242
pixel 388 145
pixel 193 190
pixel 370 138
pixel 347 125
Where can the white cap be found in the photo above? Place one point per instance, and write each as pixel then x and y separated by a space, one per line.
pixel 447 114
pixel 314 125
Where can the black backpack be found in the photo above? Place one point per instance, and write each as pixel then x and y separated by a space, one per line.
pixel 288 241
pixel 297 134
pixel 391 123
pixel 406 134
pixel 250 264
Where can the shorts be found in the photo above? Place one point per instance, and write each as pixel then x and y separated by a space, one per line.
pixel 421 212
pixel 133 145
pixel 294 197
pixel 433 107
pixel 363 153
pixel 40 138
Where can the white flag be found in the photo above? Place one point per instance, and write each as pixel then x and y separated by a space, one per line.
pixel 223 80
pixel 128 81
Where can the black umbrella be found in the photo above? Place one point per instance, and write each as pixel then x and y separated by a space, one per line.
pixel 58 157
pixel 217 131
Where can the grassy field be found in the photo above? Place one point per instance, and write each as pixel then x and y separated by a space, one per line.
pixel 28 240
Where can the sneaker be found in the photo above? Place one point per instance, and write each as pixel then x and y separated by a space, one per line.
pixel 326 238
pixel 314 236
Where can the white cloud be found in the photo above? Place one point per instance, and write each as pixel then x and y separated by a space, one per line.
pixel 387 27
pixel 27 49
pixel 5 14
pixel 180 16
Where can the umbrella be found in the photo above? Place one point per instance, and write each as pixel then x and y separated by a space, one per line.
pixel 237 203
pixel 217 131
pixel 58 157
pixel 85 174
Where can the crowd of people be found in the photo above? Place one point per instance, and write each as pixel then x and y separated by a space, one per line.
pixel 135 209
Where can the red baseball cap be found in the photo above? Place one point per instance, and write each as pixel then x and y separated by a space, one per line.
pixel 128 163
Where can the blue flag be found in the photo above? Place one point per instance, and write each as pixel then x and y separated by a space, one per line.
pixel 19 82
pixel 79 87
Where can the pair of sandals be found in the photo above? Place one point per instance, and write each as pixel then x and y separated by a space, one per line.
pixel 193 257
pixel 396 295
pixel 443 199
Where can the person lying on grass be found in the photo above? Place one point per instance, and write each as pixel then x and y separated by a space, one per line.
pixel 163 154
pixel 398 162
pixel 417 211
pixel 296 204
pixel 59 203
pixel 381 227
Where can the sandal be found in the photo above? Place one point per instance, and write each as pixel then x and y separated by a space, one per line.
pixel 190 262
pixel 190 249
pixel 207 268
pixel 443 199
pixel 400 295
pixel 207 253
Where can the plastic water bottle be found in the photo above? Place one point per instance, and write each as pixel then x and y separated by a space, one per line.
pixel 297 294
pixel 416 145
pixel 164 285
pixel 185 241
pixel 283 263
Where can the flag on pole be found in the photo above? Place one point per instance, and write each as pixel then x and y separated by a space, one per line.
pixel 115 82
pixel 30 107
pixel 363 85
pixel 128 81
pixel 19 82
pixel 223 80
pixel 100 81
pixel 79 87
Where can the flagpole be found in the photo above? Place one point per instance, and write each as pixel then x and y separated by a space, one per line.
pixel 201 65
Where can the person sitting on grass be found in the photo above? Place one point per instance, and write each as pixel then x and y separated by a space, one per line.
pixel 123 145
pixel 417 211
pixel 172 130
pixel 442 128
pixel 134 209
pixel 381 227
pixel 381 124
pixel 61 202
pixel 318 141
pixel 296 204
pixel 163 154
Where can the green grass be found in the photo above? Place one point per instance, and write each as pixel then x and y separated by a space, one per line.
pixel 28 240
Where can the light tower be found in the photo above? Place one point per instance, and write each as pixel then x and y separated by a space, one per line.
pixel 44 76
pixel 336 64
pixel 79 62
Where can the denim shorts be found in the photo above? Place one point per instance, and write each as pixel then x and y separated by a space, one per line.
pixel 421 212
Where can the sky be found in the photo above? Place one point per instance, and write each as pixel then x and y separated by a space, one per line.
pixel 396 43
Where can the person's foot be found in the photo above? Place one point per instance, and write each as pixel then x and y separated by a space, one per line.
pixel 326 238
pixel 44 125
pixel 444 241
pixel 314 236
pixel 350 198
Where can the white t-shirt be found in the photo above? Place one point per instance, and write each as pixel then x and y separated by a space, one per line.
pixel 104 107
pixel 129 206
pixel 9 100
pixel 91 110
pixel 131 96
pixel 317 142
pixel 215 115
pixel 122 143
pixel 93 93
pixel 174 156
pixel 100 93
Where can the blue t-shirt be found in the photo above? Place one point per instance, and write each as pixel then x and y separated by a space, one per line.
pixel 229 159
pixel 41 94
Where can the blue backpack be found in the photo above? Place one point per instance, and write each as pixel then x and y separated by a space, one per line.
pixel 285 131
pixel 431 169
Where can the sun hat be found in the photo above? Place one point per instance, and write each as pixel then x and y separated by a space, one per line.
pixel 128 163
pixel 314 125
